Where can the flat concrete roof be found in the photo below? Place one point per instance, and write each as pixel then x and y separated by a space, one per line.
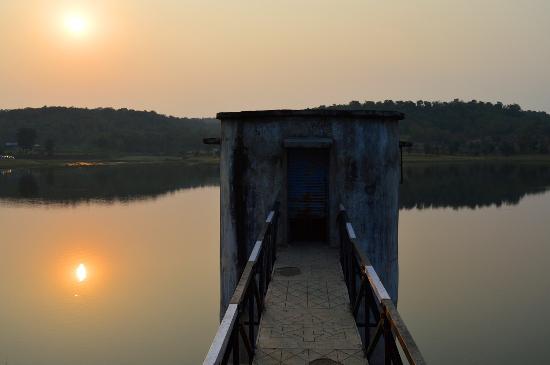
pixel 313 113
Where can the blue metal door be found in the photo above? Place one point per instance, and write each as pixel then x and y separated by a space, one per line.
pixel 307 194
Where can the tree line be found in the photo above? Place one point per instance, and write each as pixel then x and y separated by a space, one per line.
pixel 466 128
pixel 455 128
pixel 104 130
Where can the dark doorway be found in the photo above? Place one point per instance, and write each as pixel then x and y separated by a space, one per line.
pixel 307 181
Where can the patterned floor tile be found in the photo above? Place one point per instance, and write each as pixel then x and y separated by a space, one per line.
pixel 307 316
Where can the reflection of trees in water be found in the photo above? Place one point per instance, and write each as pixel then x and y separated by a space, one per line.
pixel 27 186
pixel 471 185
pixel 426 185
pixel 104 183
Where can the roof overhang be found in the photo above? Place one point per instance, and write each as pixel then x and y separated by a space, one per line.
pixel 384 115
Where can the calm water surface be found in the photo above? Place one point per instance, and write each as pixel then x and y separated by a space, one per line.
pixel 473 287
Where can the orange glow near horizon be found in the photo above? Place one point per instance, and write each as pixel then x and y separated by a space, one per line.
pixel 173 56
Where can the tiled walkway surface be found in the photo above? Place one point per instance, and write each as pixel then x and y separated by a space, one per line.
pixel 307 314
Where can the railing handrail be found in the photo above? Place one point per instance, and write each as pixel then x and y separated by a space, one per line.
pixel 221 340
pixel 389 316
pixel 249 289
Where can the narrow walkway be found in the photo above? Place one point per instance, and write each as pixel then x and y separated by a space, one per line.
pixel 307 317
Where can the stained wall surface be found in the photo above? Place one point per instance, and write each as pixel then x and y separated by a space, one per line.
pixel 363 176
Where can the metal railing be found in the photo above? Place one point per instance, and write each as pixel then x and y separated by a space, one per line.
pixel 242 317
pixel 367 294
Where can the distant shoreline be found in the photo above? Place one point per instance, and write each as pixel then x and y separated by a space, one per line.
pixel 114 161
pixel 413 157
pixel 208 159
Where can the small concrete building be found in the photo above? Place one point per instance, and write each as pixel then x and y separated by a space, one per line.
pixel 313 160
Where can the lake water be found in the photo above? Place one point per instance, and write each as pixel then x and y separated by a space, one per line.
pixel 474 251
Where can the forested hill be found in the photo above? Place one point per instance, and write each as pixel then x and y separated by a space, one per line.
pixel 457 127
pixel 472 128
pixel 108 130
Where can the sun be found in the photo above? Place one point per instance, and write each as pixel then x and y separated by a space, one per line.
pixel 81 273
pixel 76 24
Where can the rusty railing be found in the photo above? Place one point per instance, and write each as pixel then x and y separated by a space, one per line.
pixel 367 294
pixel 242 317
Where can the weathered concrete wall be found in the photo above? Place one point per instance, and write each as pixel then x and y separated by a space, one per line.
pixel 368 181
pixel 364 176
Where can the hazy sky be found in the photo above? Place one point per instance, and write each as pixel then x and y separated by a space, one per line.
pixel 198 57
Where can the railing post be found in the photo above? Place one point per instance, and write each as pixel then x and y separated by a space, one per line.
pixel 367 316
pixel 353 285
pixel 386 337
pixel 236 340
pixel 261 274
pixel 341 244
pixel 272 244
pixel 251 317
pixel 268 266
pixel 344 256
pixel 275 226
pixel 349 254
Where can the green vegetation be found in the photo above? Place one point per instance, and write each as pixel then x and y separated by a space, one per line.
pixel 439 130
pixel 472 128
pixel 104 131
pixel 26 138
